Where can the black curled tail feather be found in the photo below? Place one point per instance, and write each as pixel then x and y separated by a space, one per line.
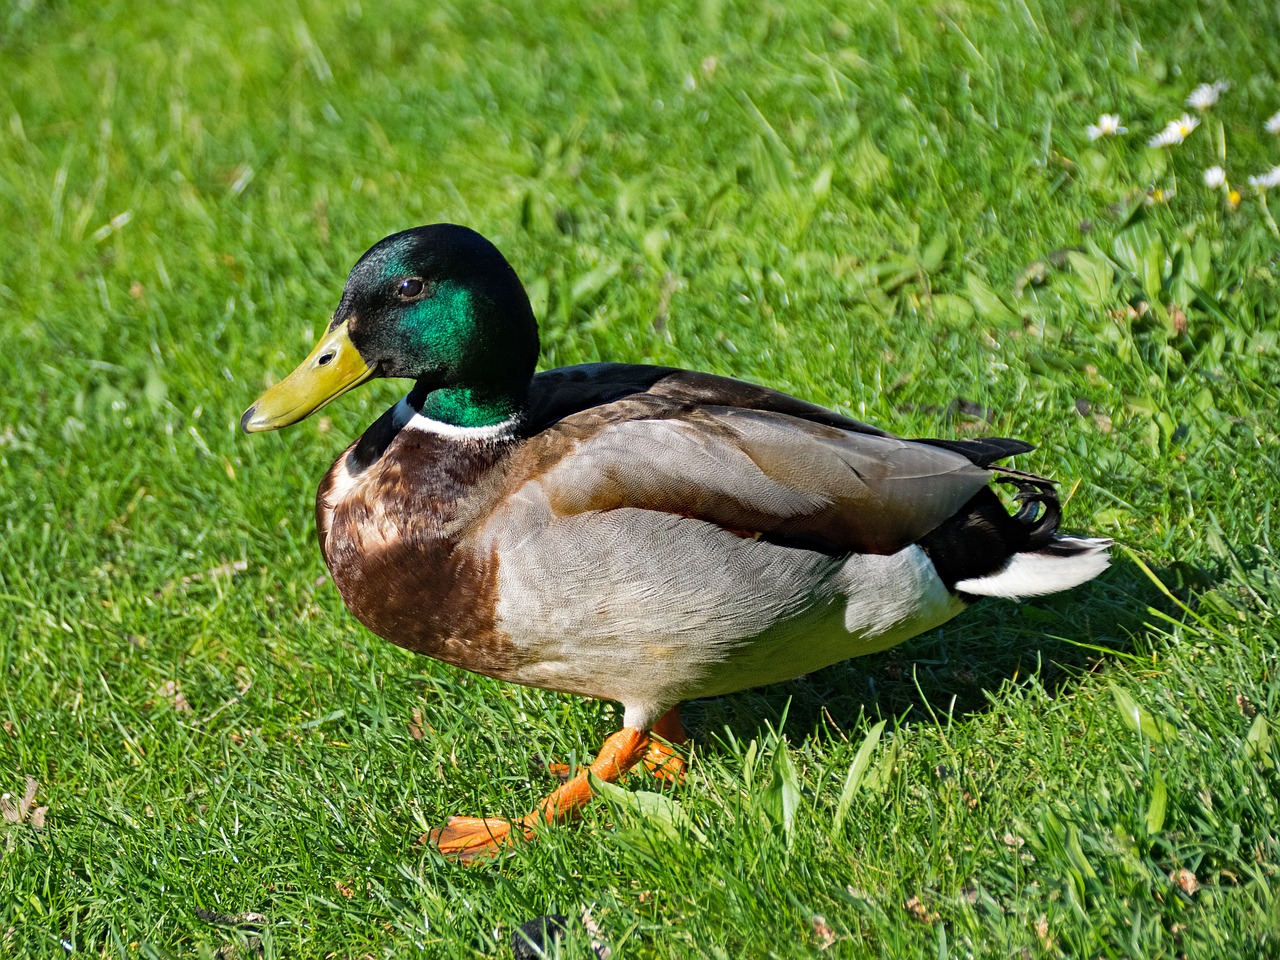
pixel 981 537
pixel 1038 508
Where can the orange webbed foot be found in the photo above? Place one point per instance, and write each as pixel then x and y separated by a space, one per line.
pixel 664 762
pixel 561 771
pixel 467 839
pixel 660 759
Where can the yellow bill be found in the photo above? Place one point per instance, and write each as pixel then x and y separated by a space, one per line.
pixel 330 370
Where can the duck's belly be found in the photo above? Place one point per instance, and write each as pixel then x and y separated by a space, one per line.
pixel 650 609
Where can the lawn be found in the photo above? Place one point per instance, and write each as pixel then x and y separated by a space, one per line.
pixel 892 209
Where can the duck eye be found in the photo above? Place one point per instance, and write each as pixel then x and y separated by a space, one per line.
pixel 410 289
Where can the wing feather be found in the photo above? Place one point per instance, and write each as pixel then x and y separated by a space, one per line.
pixel 751 460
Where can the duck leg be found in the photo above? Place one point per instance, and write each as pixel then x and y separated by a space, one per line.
pixel 660 760
pixel 465 838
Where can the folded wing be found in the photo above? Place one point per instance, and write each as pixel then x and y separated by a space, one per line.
pixel 751 460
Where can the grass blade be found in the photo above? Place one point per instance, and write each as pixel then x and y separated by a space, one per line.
pixel 857 770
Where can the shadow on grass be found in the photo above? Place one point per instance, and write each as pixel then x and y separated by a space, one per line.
pixel 955 670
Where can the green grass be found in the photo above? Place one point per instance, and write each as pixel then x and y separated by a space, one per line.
pixel 867 206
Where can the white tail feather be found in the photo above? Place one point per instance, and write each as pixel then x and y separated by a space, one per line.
pixel 1066 563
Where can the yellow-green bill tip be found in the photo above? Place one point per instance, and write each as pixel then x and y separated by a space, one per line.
pixel 332 368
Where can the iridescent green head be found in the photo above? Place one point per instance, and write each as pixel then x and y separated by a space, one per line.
pixel 438 304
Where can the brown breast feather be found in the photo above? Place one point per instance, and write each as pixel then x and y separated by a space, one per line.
pixel 397 551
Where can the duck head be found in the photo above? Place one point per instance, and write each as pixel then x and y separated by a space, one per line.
pixel 437 304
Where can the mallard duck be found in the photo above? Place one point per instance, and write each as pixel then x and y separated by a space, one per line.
pixel 634 533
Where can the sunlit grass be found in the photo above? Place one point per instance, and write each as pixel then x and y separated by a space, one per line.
pixel 896 210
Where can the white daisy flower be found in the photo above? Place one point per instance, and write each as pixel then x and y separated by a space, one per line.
pixel 1266 180
pixel 1273 125
pixel 1108 125
pixel 1206 95
pixel 1175 131
pixel 1215 177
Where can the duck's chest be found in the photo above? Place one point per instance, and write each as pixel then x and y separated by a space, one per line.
pixel 393 523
